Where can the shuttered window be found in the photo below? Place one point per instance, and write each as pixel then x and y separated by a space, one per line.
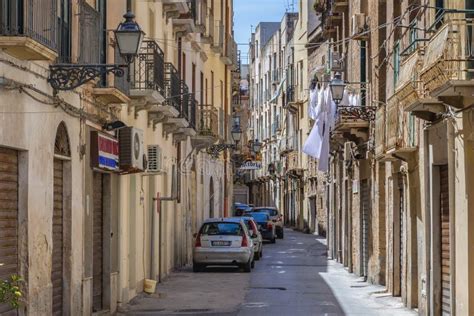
pixel 8 218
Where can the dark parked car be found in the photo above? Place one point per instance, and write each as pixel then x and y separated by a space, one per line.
pixel 240 209
pixel 275 216
pixel 265 225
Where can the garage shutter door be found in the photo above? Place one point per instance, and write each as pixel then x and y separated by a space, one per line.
pixel 57 269
pixel 8 218
pixel 97 243
pixel 365 197
pixel 445 245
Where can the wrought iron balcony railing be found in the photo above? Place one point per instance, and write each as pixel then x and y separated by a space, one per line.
pixel 208 120
pixel 148 70
pixel 290 94
pixel 36 19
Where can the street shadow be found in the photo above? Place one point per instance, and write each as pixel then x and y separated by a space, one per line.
pixel 290 279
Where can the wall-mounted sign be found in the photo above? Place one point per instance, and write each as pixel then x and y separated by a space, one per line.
pixel 104 152
pixel 251 165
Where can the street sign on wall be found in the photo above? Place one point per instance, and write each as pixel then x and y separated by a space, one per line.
pixel 251 165
pixel 104 152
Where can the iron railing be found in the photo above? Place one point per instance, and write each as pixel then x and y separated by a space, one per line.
pixel 185 99
pixel 147 72
pixel 207 123
pixel 172 86
pixel 32 18
pixel 192 113
pixel 290 94
pixel 121 83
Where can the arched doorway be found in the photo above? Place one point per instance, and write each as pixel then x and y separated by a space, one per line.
pixel 211 198
pixel 61 174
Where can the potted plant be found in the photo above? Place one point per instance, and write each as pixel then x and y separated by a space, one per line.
pixel 319 6
pixel 10 291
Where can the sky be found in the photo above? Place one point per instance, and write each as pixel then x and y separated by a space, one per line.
pixel 248 13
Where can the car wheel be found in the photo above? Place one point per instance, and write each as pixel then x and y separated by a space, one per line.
pixel 273 240
pixel 197 267
pixel 260 255
pixel 252 264
pixel 248 266
pixel 280 235
pixel 257 256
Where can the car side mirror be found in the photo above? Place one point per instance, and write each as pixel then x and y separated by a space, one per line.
pixel 254 235
pixel 274 220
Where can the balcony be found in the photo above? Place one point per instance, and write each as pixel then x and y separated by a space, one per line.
pixel 448 63
pixel 178 98
pixel 294 167
pixel 176 8
pixel 28 29
pixel 218 42
pixel 113 89
pixel 206 126
pixel 287 145
pixel 189 109
pixel 230 54
pixel 400 128
pixel 208 35
pixel 276 76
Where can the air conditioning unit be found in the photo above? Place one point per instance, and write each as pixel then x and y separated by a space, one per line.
pixel 131 152
pixel 155 159
pixel 359 26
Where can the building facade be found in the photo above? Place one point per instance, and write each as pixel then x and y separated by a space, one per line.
pixel 85 219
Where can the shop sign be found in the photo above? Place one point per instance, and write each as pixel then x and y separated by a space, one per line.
pixel 251 165
pixel 104 152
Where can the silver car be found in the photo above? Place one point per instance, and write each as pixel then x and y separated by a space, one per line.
pixel 254 233
pixel 221 241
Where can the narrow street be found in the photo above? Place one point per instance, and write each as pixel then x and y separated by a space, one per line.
pixel 293 278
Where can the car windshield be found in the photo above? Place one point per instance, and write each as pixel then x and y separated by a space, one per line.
pixel 270 212
pixel 260 217
pixel 240 210
pixel 234 229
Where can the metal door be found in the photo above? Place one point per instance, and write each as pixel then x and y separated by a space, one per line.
pixel 57 257
pixel 97 241
pixel 8 218
pixel 445 242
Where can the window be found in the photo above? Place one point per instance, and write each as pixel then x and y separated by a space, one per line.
pixel 396 62
pixel 363 68
pixel 212 87
pixel 64 32
pixel 183 66
pixel 222 228
pixel 439 14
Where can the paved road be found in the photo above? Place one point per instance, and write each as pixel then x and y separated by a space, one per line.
pixel 293 278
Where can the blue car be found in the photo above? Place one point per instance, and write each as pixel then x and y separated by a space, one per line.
pixel 265 225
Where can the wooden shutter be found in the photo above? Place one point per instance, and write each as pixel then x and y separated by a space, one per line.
pixel 8 218
pixel 97 242
pixel 57 267
pixel 445 242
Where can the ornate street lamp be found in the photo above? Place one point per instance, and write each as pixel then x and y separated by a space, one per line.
pixel 128 36
pixel 337 86
pixel 214 150
pixel 256 146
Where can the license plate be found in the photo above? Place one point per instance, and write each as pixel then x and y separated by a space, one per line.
pixel 221 243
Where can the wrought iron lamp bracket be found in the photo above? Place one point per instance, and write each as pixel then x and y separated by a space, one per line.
pixel 366 113
pixel 214 150
pixel 70 76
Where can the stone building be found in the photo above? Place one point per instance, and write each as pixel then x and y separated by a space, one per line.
pixel 80 219
pixel 399 179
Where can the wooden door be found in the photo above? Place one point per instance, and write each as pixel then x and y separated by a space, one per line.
pixel 8 219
